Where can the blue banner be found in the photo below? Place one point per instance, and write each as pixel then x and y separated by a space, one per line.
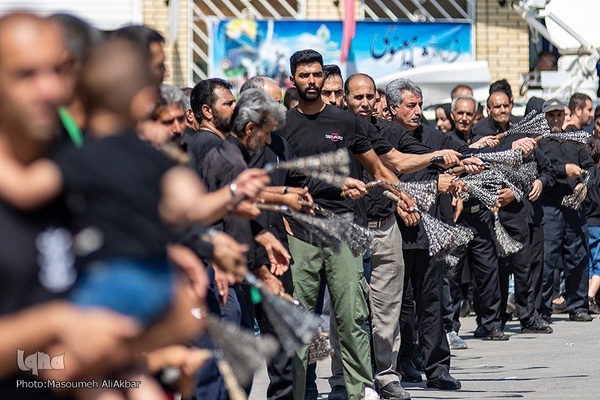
pixel 243 48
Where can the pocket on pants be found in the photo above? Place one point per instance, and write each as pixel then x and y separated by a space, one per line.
pixel 362 296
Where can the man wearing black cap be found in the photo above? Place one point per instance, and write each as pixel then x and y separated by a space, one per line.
pixel 565 227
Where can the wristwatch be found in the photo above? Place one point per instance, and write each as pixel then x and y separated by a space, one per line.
pixel 233 188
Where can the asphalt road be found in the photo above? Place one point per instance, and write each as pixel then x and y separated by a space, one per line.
pixel 561 365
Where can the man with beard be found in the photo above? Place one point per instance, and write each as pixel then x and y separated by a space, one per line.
pixel 212 103
pixel 313 128
pixel 582 111
pixel 169 112
pixel 333 86
pixel 565 227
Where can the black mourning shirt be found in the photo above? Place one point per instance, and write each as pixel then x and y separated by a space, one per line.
pixel 220 166
pixel 379 207
pixel 198 145
pixel 560 154
pixel 113 188
pixel 323 132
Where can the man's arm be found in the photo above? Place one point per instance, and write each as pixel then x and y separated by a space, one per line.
pixel 375 167
pixel 403 163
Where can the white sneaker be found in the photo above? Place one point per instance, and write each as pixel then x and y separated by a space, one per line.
pixel 455 341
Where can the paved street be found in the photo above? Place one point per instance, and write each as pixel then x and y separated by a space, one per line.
pixel 562 365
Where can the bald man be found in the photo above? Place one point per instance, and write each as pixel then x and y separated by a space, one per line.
pixel 33 84
pixel 263 83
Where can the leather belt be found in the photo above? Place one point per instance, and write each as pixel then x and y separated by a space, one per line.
pixel 473 209
pixel 381 222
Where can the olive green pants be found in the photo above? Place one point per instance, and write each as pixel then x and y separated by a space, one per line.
pixel 348 290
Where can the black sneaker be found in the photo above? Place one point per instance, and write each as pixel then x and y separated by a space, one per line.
pixel 394 391
pixel 338 392
pixel 444 382
pixel 536 326
pixel 581 316
pixel 594 308
pixel 546 317
pixel 495 334
pixel 409 372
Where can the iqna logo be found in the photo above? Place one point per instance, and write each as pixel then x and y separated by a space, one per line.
pixel 39 361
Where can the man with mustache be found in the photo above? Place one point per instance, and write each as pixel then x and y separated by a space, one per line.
pixel 499 107
pixel 388 267
pixel 169 112
pixel 314 127
pixel 212 104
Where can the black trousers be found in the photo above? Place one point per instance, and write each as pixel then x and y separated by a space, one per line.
pixel 484 266
pixel 536 250
pixel 449 287
pixel 426 277
pixel 565 239
pixel 519 265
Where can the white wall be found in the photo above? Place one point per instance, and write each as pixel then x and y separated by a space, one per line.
pixel 103 14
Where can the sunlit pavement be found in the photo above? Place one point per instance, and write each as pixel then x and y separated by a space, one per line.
pixel 561 365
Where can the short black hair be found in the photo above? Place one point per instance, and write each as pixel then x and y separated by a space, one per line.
pixel 381 92
pixel 79 35
pixel 578 100
pixel 307 56
pixel 291 94
pixel 140 35
pixel 204 93
pixel 502 86
pixel 593 146
pixel 332 70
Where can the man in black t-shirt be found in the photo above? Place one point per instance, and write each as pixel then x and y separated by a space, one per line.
pixel 313 128
pixel 36 264
pixel 212 103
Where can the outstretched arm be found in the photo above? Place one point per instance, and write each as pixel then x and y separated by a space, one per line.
pixel 184 198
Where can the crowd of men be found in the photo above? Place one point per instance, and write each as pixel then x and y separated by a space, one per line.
pixel 126 203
